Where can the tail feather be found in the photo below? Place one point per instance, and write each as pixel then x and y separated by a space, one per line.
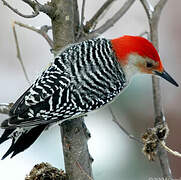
pixel 6 135
pixel 21 140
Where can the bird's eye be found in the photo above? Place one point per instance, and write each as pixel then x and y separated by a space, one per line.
pixel 149 64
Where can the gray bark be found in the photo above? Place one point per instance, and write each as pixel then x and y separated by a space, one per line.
pixel 65 23
pixel 153 14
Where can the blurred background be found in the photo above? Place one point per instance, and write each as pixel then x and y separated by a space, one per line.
pixel 115 155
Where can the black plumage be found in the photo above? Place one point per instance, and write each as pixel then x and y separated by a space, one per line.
pixel 84 77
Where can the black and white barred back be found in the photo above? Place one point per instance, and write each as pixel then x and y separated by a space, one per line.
pixel 83 77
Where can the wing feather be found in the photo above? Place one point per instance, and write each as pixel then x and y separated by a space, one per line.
pixel 51 80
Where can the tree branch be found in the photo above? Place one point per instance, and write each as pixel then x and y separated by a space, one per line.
pixel 159 6
pixel 148 8
pixel 116 121
pixel 159 117
pixel 82 14
pixel 62 24
pixel 175 153
pixel 19 55
pixel 94 19
pixel 76 156
pixel 37 7
pixel 42 31
pixel 45 8
pixel 152 139
pixel 74 132
pixel 110 22
pixel 81 28
pixel 76 19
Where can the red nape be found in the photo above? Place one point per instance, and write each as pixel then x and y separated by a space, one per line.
pixel 126 45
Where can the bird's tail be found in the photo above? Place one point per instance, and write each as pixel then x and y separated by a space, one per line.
pixel 22 138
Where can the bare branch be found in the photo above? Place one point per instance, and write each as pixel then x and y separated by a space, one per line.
pixel 82 14
pixel 5 108
pixel 81 29
pixel 148 8
pixel 42 31
pixel 35 13
pixel 45 8
pixel 110 22
pixel 159 117
pixel 157 12
pixel 95 18
pixel 122 128
pixel 74 132
pixel 36 6
pixel 76 18
pixel 160 5
pixel 175 153
pixel 78 161
pixel 19 55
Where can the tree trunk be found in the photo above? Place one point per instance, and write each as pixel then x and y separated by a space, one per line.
pixel 65 23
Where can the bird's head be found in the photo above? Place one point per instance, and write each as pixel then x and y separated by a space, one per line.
pixel 138 55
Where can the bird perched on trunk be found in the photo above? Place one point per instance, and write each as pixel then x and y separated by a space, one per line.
pixel 84 77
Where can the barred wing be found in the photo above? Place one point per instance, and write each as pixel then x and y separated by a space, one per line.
pixel 27 106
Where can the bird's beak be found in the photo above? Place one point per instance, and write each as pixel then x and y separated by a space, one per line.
pixel 166 76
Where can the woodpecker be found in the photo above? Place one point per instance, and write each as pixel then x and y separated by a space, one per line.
pixel 83 77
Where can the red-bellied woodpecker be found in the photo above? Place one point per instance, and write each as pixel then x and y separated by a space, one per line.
pixel 84 77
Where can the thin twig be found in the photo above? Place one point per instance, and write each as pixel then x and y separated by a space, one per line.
pixel 159 6
pixel 35 5
pixel 5 108
pixel 159 116
pixel 82 14
pixel 175 153
pixel 122 128
pixel 94 19
pixel 42 31
pixel 148 8
pixel 19 54
pixel 81 29
pixel 45 8
pixel 110 22
pixel 35 13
